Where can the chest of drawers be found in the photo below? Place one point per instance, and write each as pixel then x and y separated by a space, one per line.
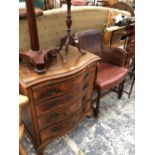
pixel 58 99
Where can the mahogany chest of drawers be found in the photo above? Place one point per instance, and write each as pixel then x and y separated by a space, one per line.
pixel 58 99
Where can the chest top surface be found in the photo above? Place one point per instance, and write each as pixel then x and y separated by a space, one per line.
pixel 75 62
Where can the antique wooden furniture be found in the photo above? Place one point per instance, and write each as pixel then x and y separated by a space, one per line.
pixel 110 69
pixel 123 6
pixel 58 99
pixel 69 39
pixel 51 25
pixel 130 58
pixel 22 102
pixel 36 56
pixel 113 35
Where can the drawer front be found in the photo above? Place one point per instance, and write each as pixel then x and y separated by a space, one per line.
pixel 59 115
pixel 58 89
pixel 88 84
pixel 91 70
pixel 59 102
pixel 59 129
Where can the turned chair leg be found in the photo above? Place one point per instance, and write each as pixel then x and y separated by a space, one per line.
pixel 97 103
pixel 121 89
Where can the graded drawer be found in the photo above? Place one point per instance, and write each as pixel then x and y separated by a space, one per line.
pixel 90 72
pixel 56 89
pixel 61 128
pixel 59 115
pixel 88 84
pixel 57 103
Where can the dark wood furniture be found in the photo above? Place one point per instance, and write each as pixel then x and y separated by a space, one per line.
pixel 130 58
pixel 111 71
pixel 36 56
pixel 23 100
pixel 123 6
pixel 69 39
pixel 58 99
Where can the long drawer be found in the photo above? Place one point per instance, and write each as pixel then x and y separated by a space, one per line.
pixel 59 129
pixel 44 92
pixel 88 83
pixel 59 115
pixel 51 105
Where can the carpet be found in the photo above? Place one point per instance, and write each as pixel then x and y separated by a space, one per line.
pixel 113 133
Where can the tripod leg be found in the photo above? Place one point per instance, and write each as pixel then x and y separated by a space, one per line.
pixel 61 44
pixel 78 46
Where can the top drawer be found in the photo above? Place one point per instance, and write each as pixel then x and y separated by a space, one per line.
pixel 54 89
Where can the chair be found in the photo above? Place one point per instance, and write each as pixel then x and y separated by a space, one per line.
pixel 110 71
pixel 22 101
pixel 113 38
pixel 130 58
pixel 123 6
pixel 113 34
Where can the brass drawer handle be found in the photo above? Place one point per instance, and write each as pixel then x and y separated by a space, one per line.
pixel 51 105
pixel 57 129
pixel 85 76
pixel 53 116
pixel 52 91
pixel 83 98
pixel 85 86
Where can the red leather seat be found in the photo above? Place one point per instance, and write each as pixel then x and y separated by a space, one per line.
pixel 109 75
pixel 110 71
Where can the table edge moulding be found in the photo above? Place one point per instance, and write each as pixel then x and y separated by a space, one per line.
pixel 58 99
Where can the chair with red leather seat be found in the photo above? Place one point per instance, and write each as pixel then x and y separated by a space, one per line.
pixel 110 71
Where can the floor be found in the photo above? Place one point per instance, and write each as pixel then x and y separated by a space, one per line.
pixel 113 133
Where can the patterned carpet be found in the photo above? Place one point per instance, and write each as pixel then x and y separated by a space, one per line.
pixel 112 133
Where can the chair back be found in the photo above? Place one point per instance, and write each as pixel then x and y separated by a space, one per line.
pixel 91 40
pixel 130 47
pixel 123 6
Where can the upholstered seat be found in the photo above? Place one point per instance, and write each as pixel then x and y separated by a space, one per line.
pixel 110 71
pixel 109 75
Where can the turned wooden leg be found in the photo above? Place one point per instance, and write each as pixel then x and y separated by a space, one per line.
pixel 96 112
pixel 121 89
pixel 40 152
